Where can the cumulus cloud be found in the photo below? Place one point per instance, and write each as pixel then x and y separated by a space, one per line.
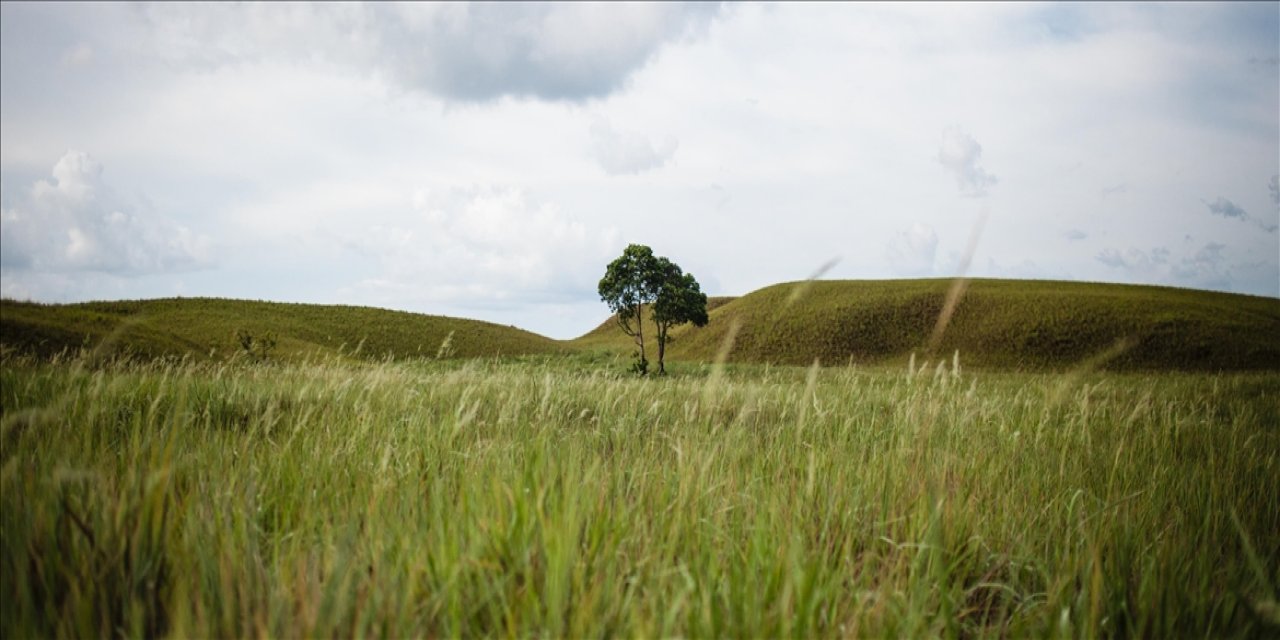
pixel 1227 209
pixel 961 155
pixel 464 52
pixel 912 252
pixel 485 246
pixel 622 152
pixel 1205 267
pixel 76 223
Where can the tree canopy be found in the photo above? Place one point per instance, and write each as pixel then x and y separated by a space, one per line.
pixel 638 278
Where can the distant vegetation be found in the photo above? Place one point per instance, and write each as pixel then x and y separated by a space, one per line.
pixel 997 324
pixel 218 329
pixel 1033 325
pixel 639 284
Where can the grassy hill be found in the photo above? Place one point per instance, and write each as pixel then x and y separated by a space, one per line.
pixel 997 323
pixel 207 327
pixel 608 335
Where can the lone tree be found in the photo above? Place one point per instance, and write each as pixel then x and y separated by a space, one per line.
pixel 679 300
pixel 638 278
pixel 626 287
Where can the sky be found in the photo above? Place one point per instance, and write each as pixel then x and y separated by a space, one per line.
pixel 488 160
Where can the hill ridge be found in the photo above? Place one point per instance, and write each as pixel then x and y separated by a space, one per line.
pixel 999 323
pixel 1019 324
pixel 208 326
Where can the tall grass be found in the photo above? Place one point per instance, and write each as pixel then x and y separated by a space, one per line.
pixel 554 496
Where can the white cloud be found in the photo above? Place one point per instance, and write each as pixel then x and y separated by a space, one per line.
pixel 78 56
pixel 1208 265
pixel 465 52
pixel 483 247
pixel 1227 209
pixel 296 134
pixel 622 152
pixel 912 252
pixel 76 223
pixel 961 154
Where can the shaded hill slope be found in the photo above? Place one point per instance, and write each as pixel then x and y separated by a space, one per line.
pixel 207 327
pixel 997 323
pixel 608 335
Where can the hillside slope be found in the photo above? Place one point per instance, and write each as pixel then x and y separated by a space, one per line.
pixel 997 323
pixel 608 335
pixel 206 327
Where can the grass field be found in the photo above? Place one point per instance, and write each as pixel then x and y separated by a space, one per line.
pixel 554 496
pixel 996 324
pixel 206 328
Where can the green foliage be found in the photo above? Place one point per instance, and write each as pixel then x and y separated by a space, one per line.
pixel 679 300
pixel 637 280
pixel 256 348
pixel 627 286
pixel 639 366
pixel 554 497
pixel 998 324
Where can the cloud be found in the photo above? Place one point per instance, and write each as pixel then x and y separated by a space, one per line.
pixel 1227 209
pixel 1075 235
pixel 1022 270
pixel 484 247
pixel 1112 258
pixel 461 52
pixel 1273 186
pixel 75 223
pixel 77 56
pixel 961 154
pixel 912 252
pixel 1207 267
pixel 1115 189
pixel 622 153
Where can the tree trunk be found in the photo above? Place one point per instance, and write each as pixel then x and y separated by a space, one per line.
pixel 662 349
pixel 640 332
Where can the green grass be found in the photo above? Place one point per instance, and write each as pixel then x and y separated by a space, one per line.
pixel 997 324
pixel 555 496
pixel 206 328
pixel 607 335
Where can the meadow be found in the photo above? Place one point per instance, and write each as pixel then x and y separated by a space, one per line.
pixel 207 328
pixel 1003 324
pixel 554 495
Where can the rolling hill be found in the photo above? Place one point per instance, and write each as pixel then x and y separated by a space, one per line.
pixel 207 327
pixel 1000 324
pixel 997 324
pixel 608 335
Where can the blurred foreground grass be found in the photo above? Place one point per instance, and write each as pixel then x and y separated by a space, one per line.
pixel 554 496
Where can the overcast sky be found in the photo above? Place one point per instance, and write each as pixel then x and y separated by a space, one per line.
pixel 487 161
